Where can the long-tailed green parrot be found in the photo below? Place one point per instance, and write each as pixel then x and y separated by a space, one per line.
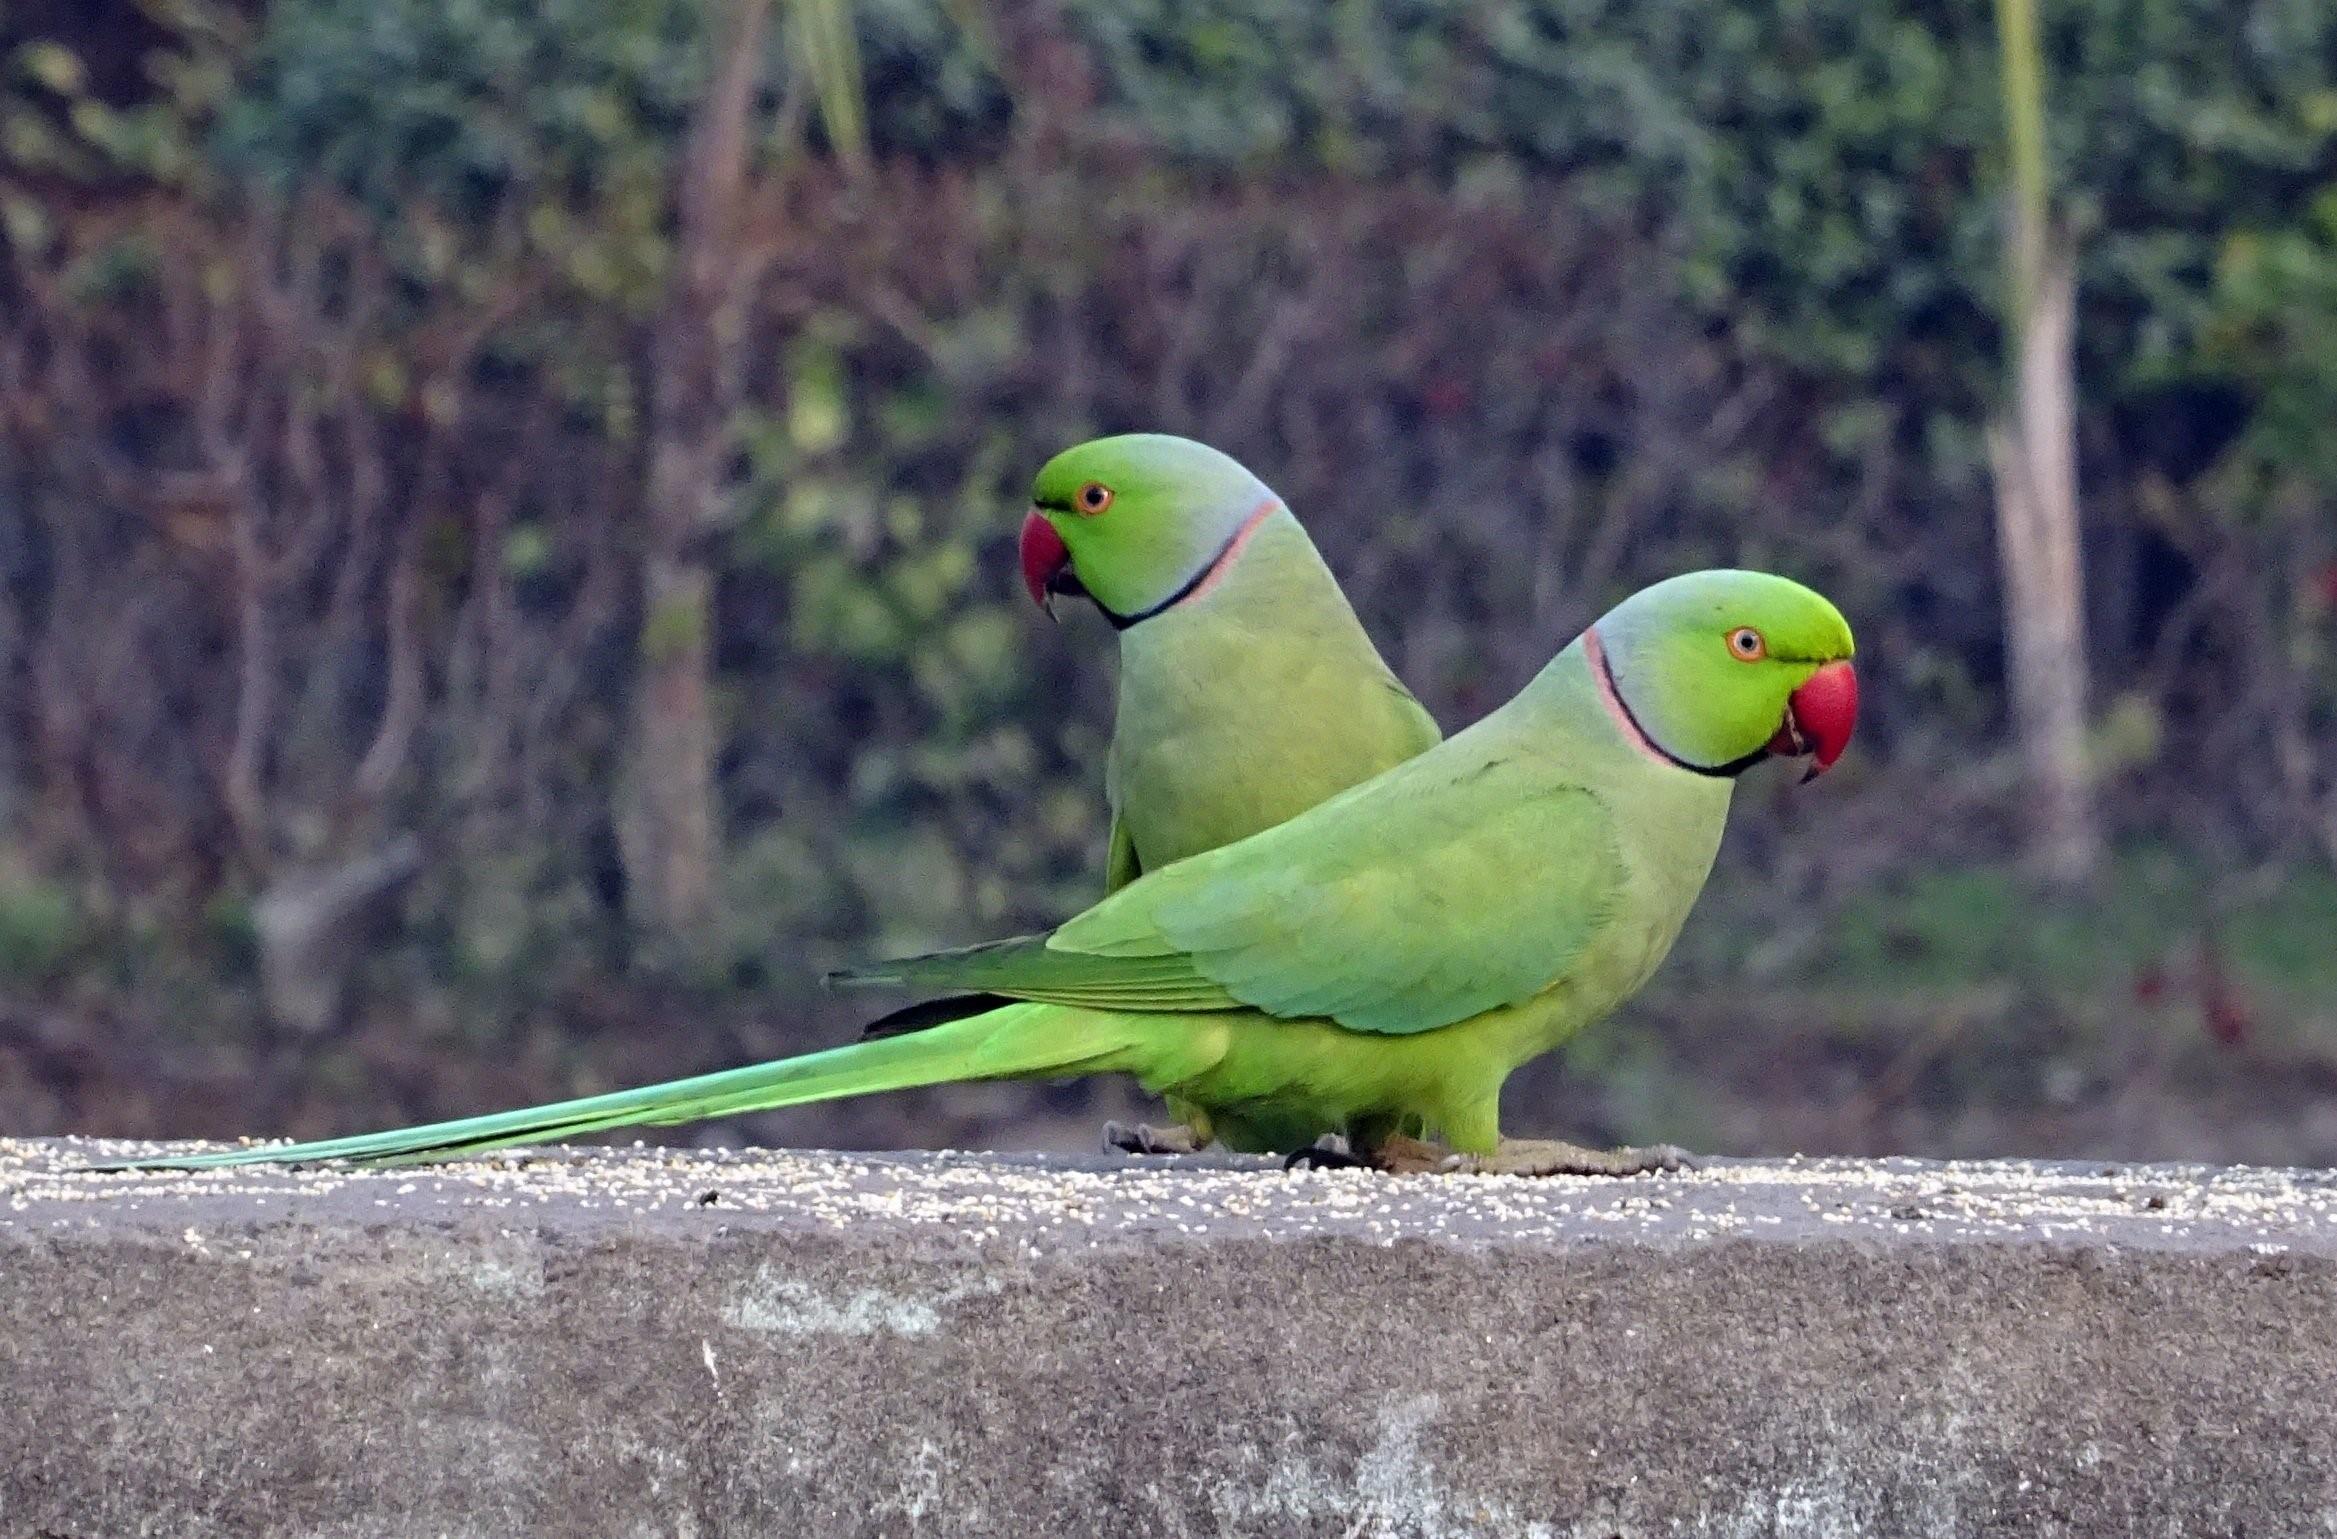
pixel 1378 964
pixel 1249 690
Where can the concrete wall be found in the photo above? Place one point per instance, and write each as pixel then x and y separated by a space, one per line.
pixel 644 1343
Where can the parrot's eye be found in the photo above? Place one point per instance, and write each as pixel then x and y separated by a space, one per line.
pixel 1093 498
pixel 1746 643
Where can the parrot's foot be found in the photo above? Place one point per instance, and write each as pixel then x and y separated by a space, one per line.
pixel 1529 1157
pixel 1144 1139
pixel 1329 1152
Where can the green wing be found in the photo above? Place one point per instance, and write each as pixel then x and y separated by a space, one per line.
pixel 1374 910
pixel 1419 729
pixel 1120 864
pixel 1030 967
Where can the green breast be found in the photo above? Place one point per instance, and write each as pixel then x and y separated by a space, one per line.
pixel 1250 703
pixel 1669 823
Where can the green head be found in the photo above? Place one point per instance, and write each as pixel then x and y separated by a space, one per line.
pixel 1136 522
pixel 1714 671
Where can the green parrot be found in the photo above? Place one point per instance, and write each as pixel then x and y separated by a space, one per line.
pixel 1377 964
pixel 1249 691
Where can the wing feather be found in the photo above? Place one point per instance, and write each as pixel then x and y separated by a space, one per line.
pixel 1419 900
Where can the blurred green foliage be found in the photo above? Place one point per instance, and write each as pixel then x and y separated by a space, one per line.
pixel 1519 303
pixel 468 103
pixel 2274 313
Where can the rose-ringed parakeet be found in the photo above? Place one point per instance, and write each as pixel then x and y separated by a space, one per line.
pixel 1379 963
pixel 1249 691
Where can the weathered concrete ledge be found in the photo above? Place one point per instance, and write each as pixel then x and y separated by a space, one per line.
pixel 653 1343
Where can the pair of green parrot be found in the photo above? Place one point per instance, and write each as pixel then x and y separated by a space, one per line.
pixel 1326 931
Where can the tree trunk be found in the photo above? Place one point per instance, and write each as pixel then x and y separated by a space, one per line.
pixel 2034 455
pixel 670 784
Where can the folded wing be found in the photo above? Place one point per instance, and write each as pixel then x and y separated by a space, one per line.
pixel 1401 907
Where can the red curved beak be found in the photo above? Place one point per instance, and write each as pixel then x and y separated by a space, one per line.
pixel 1046 560
pixel 1819 718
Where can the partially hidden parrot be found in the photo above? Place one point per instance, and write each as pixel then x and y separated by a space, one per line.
pixel 1249 690
pixel 1376 965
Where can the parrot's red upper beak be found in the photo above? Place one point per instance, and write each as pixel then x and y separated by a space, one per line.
pixel 1046 562
pixel 1819 717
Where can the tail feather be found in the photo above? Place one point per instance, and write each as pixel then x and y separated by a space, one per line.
pixel 1017 1041
pixel 929 1013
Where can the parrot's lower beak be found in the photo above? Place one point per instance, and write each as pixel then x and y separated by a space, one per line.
pixel 1046 563
pixel 1819 717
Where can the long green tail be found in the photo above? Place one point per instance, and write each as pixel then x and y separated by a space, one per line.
pixel 1014 1042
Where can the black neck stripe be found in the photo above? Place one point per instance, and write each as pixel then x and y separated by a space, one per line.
pixel 1728 771
pixel 1121 622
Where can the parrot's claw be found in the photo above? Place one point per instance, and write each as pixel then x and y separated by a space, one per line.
pixel 1329 1152
pixel 1143 1139
pixel 1530 1157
